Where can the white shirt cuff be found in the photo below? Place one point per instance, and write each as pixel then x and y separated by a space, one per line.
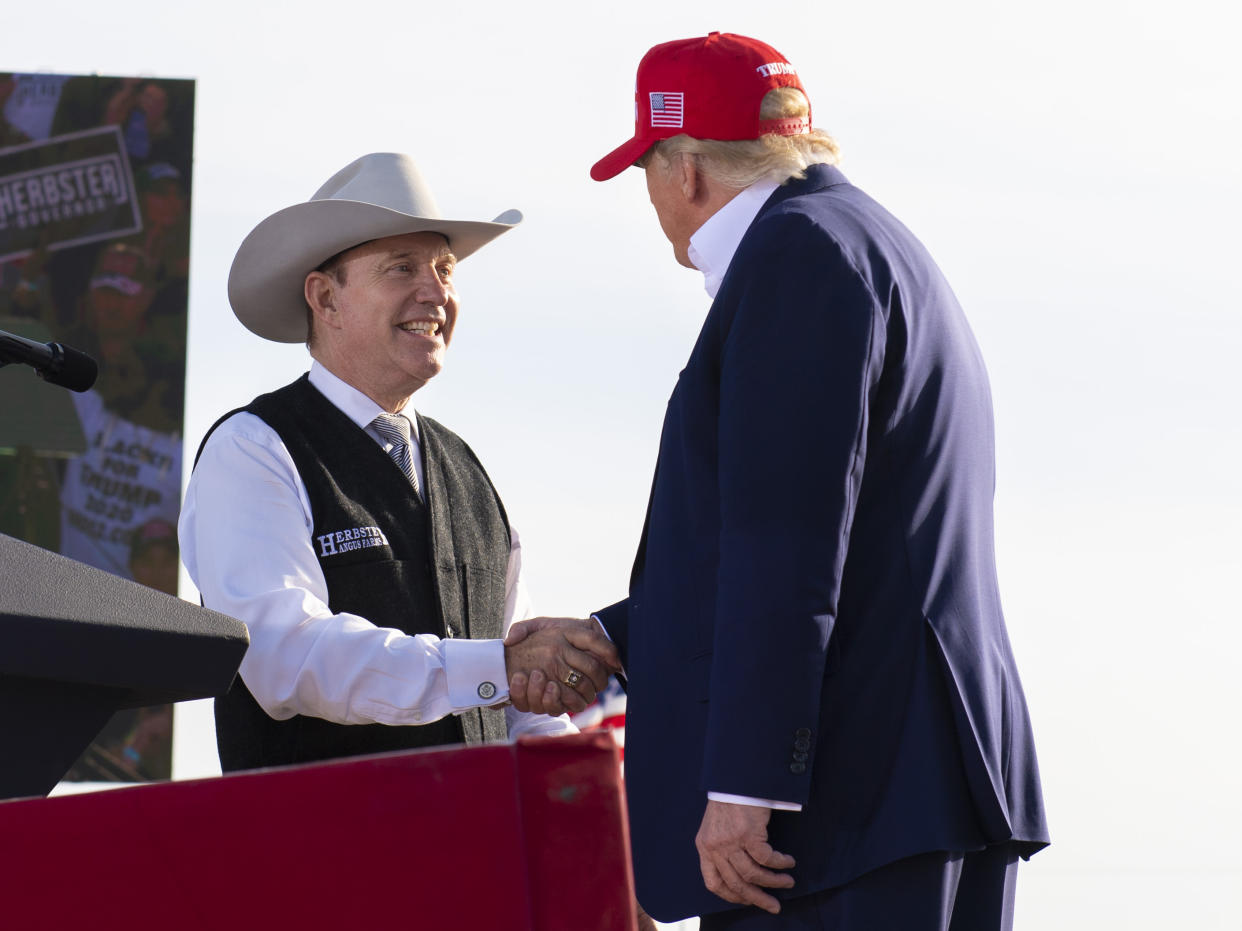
pixel 475 670
pixel 757 802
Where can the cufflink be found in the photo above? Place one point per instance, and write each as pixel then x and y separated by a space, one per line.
pixel 487 690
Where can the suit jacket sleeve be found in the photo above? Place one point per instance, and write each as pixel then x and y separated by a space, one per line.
pixel 615 619
pixel 802 346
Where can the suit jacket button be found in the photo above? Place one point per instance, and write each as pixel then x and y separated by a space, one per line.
pixel 797 768
pixel 800 757
pixel 803 732
pixel 802 744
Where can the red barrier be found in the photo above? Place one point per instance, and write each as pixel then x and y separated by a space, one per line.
pixel 526 836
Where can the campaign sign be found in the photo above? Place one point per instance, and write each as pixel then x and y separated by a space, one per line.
pixel 66 191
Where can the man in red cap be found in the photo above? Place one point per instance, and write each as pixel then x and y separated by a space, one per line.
pixel 825 722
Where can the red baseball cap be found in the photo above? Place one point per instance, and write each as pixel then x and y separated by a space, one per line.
pixel 709 88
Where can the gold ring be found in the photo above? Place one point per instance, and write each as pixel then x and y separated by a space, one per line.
pixel 573 678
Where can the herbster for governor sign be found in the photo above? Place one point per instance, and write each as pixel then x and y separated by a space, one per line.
pixel 66 191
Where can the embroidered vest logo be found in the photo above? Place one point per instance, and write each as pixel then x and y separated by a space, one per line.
pixel 356 538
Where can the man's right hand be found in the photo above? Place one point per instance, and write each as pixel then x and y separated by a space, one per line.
pixel 557 664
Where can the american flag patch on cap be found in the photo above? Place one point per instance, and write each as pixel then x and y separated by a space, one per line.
pixel 667 109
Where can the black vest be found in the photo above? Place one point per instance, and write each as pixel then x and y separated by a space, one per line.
pixel 435 568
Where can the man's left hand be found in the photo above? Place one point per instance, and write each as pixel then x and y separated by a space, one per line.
pixel 736 858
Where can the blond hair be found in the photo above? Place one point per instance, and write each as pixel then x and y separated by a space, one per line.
pixel 740 163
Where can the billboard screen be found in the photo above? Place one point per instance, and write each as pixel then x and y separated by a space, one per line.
pixel 95 192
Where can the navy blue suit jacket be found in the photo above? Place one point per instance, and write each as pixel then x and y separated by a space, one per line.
pixel 814 615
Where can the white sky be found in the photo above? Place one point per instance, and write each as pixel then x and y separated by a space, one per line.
pixel 1072 166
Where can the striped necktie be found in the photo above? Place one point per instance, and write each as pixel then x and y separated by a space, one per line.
pixel 396 430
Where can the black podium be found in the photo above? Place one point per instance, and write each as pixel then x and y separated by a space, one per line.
pixel 77 644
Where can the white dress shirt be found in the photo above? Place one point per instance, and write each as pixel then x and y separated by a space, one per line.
pixel 713 244
pixel 711 250
pixel 245 533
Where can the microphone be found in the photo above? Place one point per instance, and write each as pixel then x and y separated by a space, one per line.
pixel 56 364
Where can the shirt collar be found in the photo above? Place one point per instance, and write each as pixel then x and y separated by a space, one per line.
pixel 713 244
pixel 353 403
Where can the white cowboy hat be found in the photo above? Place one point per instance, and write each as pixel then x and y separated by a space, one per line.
pixel 378 195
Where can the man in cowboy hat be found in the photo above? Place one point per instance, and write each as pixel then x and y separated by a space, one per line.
pixel 825 722
pixel 362 543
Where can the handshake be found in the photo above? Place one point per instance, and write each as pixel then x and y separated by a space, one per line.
pixel 558 664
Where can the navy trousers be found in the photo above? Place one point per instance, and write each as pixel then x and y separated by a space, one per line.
pixel 930 892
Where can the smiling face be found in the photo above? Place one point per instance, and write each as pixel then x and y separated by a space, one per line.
pixel 385 314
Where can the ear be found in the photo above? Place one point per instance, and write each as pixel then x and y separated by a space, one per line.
pixel 688 178
pixel 319 289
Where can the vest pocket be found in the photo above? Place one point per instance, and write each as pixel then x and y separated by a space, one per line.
pixel 482 601
pixel 394 593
